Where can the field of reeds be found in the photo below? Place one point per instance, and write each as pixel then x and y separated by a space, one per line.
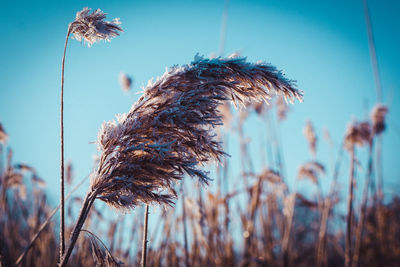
pixel 183 179
pixel 248 218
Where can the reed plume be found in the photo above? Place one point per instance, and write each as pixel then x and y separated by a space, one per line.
pixel 125 81
pixel 358 133
pixel 311 170
pixel 311 137
pixel 169 132
pixel 378 115
pixel 91 27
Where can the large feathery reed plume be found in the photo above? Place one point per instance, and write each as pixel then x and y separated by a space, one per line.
pixel 90 28
pixel 169 132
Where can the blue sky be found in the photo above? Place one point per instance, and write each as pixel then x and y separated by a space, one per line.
pixel 321 44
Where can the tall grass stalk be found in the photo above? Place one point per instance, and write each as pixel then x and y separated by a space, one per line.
pixel 62 209
pixel 90 28
pixel 372 52
pixel 144 243
pixel 326 209
pixel 223 29
pixel 349 217
pixel 290 205
pixel 363 209
pixel 378 87
pixel 87 204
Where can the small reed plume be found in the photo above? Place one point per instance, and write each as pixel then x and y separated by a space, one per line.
pixel 90 28
pixel 169 132
pixel 358 133
pixel 311 170
pixel 3 135
pixel 125 81
pixel 378 115
pixel 311 137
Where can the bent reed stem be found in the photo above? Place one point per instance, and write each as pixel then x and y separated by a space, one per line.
pixel 62 209
pixel 87 204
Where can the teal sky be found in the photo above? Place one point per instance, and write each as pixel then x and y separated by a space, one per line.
pixel 321 44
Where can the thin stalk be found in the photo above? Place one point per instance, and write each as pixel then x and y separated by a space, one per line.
pixel 322 233
pixel 348 251
pixel 372 52
pixel 379 169
pixel 223 29
pixel 144 244
pixel 360 226
pixel 62 217
pixel 1 163
pixel 321 250
pixel 87 204
pixel 251 219
pixel 379 213
pixel 288 226
pixel 275 130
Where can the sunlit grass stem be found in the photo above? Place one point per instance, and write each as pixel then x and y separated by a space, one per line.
pixel 62 209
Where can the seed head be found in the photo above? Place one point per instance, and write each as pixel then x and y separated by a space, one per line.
pixel 125 81
pixel 358 133
pixel 170 131
pixel 378 115
pixel 311 137
pixel 91 27
pixel 311 170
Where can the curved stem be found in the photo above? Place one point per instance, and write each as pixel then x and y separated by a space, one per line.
pixel 105 247
pixel 87 204
pixel 62 217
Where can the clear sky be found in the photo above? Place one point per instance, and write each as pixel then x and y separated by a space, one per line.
pixel 321 44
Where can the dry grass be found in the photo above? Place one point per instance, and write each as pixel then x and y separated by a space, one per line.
pixel 264 223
